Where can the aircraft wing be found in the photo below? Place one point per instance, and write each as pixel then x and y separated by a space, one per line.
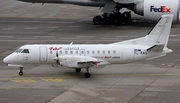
pixel 76 61
pixel 111 4
pixel 89 63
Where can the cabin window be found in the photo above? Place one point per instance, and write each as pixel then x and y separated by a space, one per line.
pixel 25 51
pixel 18 50
pixel 98 52
pixel 114 52
pixel 103 52
pixel 66 52
pixel 60 52
pixel 82 52
pixel 87 52
pixel 109 52
pixel 76 52
pixel 93 52
pixel 71 52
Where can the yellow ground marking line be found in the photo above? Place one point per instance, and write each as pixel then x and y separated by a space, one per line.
pixel 23 80
pixel 27 80
pixel 53 80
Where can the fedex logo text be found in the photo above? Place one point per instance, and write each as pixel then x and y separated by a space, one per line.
pixel 161 9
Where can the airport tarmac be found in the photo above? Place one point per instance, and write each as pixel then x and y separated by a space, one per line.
pixel 154 81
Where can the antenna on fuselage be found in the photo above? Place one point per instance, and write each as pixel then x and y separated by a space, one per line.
pixel 71 43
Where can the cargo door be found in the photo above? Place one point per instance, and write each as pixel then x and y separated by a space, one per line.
pixel 128 55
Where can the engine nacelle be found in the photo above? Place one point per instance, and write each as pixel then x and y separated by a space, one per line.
pixel 153 9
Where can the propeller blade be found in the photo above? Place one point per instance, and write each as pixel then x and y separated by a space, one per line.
pixel 57 56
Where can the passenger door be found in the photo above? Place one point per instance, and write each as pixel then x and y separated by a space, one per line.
pixel 43 54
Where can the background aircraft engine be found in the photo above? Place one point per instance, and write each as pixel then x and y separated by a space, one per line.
pixel 153 9
pixel 71 61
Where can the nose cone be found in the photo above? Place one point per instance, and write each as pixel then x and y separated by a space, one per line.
pixel 6 60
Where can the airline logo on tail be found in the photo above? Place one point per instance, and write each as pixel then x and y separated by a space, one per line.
pixel 163 9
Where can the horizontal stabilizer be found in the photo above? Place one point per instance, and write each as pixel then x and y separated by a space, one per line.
pixel 156 57
pixel 156 48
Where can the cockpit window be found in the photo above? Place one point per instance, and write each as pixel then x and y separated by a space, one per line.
pixel 18 50
pixel 25 51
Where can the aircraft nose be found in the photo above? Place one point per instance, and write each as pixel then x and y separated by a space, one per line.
pixel 6 60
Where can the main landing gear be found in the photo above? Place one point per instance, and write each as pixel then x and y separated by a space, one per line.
pixel 20 71
pixel 113 18
pixel 86 75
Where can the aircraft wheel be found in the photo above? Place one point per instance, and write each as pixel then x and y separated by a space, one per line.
pixel 106 20
pixel 78 70
pixel 87 75
pixel 20 73
pixel 97 20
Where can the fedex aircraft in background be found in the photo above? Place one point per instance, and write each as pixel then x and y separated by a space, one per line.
pixel 150 9
pixel 77 56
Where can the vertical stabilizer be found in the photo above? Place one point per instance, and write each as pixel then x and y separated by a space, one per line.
pixel 159 35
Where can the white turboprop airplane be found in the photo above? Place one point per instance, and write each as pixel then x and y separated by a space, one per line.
pixel 150 9
pixel 73 56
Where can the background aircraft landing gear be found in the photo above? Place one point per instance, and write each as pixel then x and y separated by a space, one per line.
pixel 126 17
pixel 78 70
pixel 97 20
pixel 87 74
pixel 116 18
pixel 21 71
pixel 106 20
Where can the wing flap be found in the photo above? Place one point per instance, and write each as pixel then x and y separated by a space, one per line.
pixel 89 62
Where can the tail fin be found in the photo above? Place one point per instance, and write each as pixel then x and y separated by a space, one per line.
pixel 159 35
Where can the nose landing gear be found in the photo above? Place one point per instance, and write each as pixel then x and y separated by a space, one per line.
pixel 20 71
